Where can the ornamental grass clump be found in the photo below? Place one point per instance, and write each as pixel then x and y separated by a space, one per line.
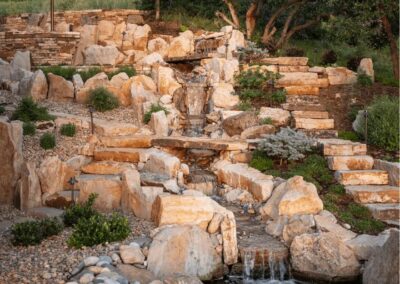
pixel 102 99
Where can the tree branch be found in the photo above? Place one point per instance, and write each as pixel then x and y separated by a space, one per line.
pixel 303 26
pixel 225 19
pixel 287 24
pixel 251 15
pixel 232 10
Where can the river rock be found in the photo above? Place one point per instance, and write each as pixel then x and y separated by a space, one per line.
pixel 131 254
pixel 60 89
pixel 295 196
pixel 101 55
pixel 191 250
pixel 383 266
pixel 223 96
pixel 28 188
pixel 323 257
pixel 236 124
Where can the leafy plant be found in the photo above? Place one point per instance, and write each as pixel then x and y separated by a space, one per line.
pixel 33 232
pixel 245 105
pixel 266 120
pixel 153 108
pixel 29 128
pixel 99 229
pixel 66 72
pixel 364 80
pixel 102 99
pixel 68 129
pixel 87 74
pixel 329 57
pixel 278 97
pixel 2 110
pixel 382 123
pixel 28 110
pixel 255 79
pixel 348 135
pixel 48 141
pixel 251 94
pixel 130 71
pixel 287 144
pixel 261 162
pixel 80 211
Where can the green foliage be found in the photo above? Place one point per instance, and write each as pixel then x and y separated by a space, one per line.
pixel 2 110
pixel 266 120
pixel 102 99
pixel 99 229
pixel 278 97
pixel 348 135
pixel 337 189
pixel 353 63
pixel 329 57
pixel 28 110
pixel 29 128
pixel 287 144
pixel 48 141
pixel 364 80
pixel 247 94
pixel 80 211
pixel 130 71
pixel 64 71
pixel 153 108
pixel 68 129
pixel 382 123
pixel 89 73
pixel 245 105
pixel 33 232
pixel 353 112
pixel 255 79
pixel 294 51
pixel 261 162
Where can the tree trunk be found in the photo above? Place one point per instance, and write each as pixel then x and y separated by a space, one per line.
pixel 232 10
pixel 394 51
pixel 157 8
pixel 251 18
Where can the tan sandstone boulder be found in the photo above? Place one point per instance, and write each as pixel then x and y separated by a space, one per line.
pixel 54 174
pixel 60 89
pixel 224 96
pixel 28 188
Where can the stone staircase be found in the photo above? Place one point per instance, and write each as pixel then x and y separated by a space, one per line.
pixel 367 185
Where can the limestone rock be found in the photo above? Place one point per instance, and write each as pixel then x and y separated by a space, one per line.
pixel 106 168
pixel 158 45
pixel 165 79
pixel 181 46
pixel 22 59
pixel 162 163
pixel 325 224
pixel 296 226
pixel 159 123
pixel 78 82
pixel 141 36
pixel 60 89
pixel 293 61
pixel 152 59
pixel 323 257
pixel 35 86
pixel 236 124
pixel 364 246
pixel 88 38
pixel 105 30
pixel 367 67
pixel 392 168
pixel 279 117
pixel 383 266
pixel 295 196
pixel 223 96
pixel 257 131
pixel 101 55
pixel 191 249
pixel 53 175
pixel 143 90
pixel 133 274
pixel 341 76
pixel 131 254
pixel 28 188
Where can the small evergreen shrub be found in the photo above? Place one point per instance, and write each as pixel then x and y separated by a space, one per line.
pixel 2 110
pixel 348 135
pixel 33 232
pixel 329 57
pixel 68 129
pixel 287 144
pixel 261 162
pixel 278 97
pixel 364 80
pixel 245 106
pixel 153 108
pixel 130 71
pixel 99 229
pixel 87 74
pixel 102 99
pixel 382 123
pixel 48 141
pixel 294 52
pixel 66 72
pixel 80 211
pixel 354 112
pixel 29 128
pixel 266 120
pixel 28 110
pixel 255 79
pixel 247 94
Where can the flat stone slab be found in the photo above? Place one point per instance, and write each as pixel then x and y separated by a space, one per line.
pixel 201 143
pixel 340 147
pixel 367 177
pixel 106 168
pixel 303 107
pixel 312 123
pixel 45 212
pixel 374 193
pixel 302 90
pixel 321 133
pixel 392 168
pixel 310 114
pixel 337 163
pixel 127 141
pixel 294 61
pixel 117 154
pixel 385 212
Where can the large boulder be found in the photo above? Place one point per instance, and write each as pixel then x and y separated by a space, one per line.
pixel 98 80
pixel 143 89
pixel 341 76
pixel 223 96
pixel 158 45
pixel 151 59
pixel 60 89
pixel 88 38
pixel 22 59
pixel 101 55
pixel 53 174
pixel 367 67
pixel 181 46
pixel 162 163
pixel 323 257
pixel 383 266
pixel 105 29
pixel 236 124
pixel 295 196
pixel 28 188
pixel 11 158
pixel 279 117
pixel 35 86
pixel 165 80
pixel 190 251
pixel 159 123
pixel 221 70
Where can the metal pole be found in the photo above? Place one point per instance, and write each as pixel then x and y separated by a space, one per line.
pixel 52 14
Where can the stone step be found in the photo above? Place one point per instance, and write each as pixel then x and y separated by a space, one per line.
pixel 130 141
pixel 200 143
pixel 106 168
pixel 310 114
pixel 360 177
pixel 374 193
pixel 340 147
pixel 385 212
pixel 321 133
pixel 311 123
pixel 302 90
pixel 303 107
pixel 131 155
pixel 345 163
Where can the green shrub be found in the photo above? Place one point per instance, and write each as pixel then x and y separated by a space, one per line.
pixel 247 94
pixel 354 112
pixel 278 97
pixel 245 106
pixel 255 79
pixel 33 232
pixel 66 72
pixel 130 71
pixel 48 141
pixel 382 123
pixel 266 120
pixel 329 57
pixel 28 110
pixel 99 229
pixel 2 110
pixel 153 108
pixel 294 51
pixel 261 162
pixel 87 74
pixel 68 129
pixel 364 80
pixel 29 128
pixel 287 144
pixel 102 100
pixel 348 135
pixel 80 211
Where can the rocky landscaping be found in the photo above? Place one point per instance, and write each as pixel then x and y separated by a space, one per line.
pixel 124 167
